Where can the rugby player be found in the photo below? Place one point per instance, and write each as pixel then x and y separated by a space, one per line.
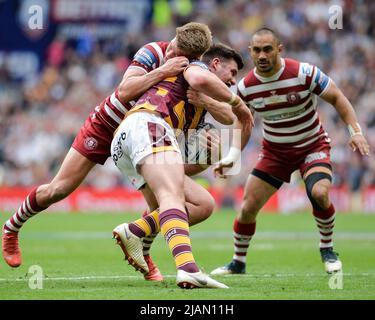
pixel 224 62
pixel 151 64
pixel 146 151
pixel 283 92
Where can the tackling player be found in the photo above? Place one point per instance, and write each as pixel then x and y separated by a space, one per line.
pixel 283 92
pixel 151 64
pixel 224 62
pixel 146 151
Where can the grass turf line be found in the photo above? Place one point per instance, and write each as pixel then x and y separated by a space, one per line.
pixel 80 261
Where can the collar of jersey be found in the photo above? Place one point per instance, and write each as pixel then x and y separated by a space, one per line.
pixel 276 76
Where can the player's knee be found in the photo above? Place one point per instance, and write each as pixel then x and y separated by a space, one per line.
pixel 317 188
pixel 320 194
pixel 249 207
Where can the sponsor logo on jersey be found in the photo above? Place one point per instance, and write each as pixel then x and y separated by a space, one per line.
pixel 258 103
pixel 293 97
pixel 316 156
pixel 145 57
pixel 307 69
pixel 275 98
pixel 322 79
pixel 90 143
pixel 286 115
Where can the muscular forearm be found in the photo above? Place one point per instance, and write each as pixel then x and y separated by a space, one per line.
pixel 241 135
pixel 345 110
pixel 220 111
pixel 207 83
pixel 133 86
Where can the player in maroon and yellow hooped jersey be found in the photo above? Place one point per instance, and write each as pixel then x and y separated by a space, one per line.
pixel 169 99
pixel 224 62
pixel 146 151
pixel 283 93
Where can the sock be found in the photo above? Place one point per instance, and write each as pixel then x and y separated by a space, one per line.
pixel 325 221
pixel 147 243
pixel 147 225
pixel 148 240
pixel 28 209
pixel 242 233
pixel 175 228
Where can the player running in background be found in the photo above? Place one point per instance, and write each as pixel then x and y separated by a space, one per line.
pixel 283 92
pixel 146 151
pixel 224 62
pixel 151 64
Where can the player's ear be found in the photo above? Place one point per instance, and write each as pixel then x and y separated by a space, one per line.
pixel 215 63
pixel 280 47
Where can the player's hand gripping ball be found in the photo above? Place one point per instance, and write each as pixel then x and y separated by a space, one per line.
pixel 202 146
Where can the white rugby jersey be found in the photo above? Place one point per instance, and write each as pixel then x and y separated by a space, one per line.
pixel 111 110
pixel 286 102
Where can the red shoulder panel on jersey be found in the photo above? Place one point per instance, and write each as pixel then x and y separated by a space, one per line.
pixel 291 69
pixel 251 79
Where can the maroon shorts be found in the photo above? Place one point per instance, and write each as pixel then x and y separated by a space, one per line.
pixel 281 162
pixel 94 139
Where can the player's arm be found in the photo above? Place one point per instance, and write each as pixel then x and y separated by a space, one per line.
pixel 220 111
pixel 205 81
pixel 208 83
pixel 137 80
pixel 241 136
pixel 337 99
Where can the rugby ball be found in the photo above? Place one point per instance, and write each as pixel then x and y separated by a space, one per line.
pixel 197 145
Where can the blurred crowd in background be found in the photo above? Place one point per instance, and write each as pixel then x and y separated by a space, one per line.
pixel 42 111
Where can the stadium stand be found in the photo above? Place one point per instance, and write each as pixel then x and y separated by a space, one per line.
pixel 46 94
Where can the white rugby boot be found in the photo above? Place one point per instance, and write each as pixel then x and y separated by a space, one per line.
pixel 132 247
pixel 187 280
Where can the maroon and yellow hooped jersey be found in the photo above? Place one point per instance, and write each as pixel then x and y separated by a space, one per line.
pixel 168 99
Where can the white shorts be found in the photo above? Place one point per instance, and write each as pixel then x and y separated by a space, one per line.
pixel 138 136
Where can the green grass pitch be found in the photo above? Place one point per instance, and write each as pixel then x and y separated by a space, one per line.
pixel 80 260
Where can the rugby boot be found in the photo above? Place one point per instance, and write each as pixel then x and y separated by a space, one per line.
pixel 131 246
pixel 10 249
pixel 331 261
pixel 234 267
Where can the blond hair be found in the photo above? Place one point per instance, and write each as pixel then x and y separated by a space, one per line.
pixel 193 39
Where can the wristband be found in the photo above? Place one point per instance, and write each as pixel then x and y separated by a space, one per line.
pixel 356 131
pixel 232 156
pixel 234 100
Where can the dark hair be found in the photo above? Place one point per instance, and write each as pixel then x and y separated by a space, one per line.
pixel 265 30
pixel 220 50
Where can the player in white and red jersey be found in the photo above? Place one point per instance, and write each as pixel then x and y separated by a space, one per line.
pixel 283 93
pixel 151 64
